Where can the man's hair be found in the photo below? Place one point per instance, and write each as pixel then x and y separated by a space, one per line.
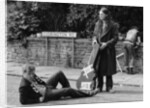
pixel 123 30
pixel 28 68
pixel 105 10
pixel 134 27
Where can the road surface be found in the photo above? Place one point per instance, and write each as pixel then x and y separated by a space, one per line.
pixel 122 94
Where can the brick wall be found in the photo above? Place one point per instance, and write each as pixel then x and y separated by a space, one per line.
pixel 64 52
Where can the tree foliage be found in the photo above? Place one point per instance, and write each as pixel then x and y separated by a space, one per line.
pixel 26 18
pixel 21 20
pixel 82 18
pixel 52 16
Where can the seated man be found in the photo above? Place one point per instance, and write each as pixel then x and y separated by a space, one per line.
pixel 33 90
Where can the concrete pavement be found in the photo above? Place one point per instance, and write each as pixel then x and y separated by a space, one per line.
pixel 122 79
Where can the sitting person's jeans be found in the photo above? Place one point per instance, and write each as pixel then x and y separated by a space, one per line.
pixel 52 93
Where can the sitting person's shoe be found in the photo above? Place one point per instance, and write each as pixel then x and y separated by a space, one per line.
pixel 99 90
pixel 94 92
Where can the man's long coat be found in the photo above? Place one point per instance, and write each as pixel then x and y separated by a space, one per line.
pixel 105 63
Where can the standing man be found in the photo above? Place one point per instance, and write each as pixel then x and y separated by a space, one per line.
pixel 106 35
pixel 132 41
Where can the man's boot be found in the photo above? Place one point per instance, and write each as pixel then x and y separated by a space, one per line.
pixel 131 71
pixel 128 70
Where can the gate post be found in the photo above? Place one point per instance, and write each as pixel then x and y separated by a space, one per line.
pixel 46 51
pixel 73 42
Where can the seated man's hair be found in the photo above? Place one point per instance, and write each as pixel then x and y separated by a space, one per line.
pixel 28 68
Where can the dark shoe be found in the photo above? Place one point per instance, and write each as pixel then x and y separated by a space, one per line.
pixel 99 90
pixel 128 70
pixel 131 71
pixel 94 92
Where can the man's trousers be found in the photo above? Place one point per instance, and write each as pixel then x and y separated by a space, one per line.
pixel 52 93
